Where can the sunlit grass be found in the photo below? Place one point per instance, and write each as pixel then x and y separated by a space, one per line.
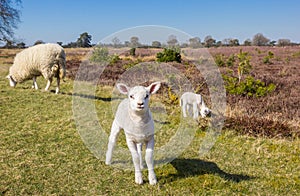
pixel 42 153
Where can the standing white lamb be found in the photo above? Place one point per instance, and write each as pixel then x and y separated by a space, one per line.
pixel 189 99
pixel 48 60
pixel 133 115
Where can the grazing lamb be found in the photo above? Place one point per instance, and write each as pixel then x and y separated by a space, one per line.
pixel 48 60
pixel 189 99
pixel 133 115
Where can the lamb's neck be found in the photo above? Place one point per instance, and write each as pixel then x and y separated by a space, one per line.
pixel 139 116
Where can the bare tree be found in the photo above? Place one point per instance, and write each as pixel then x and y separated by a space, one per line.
pixel 195 42
pixel 226 41
pixel 9 18
pixel 134 42
pixel 172 40
pixel 116 42
pixel 284 42
pixel 260 40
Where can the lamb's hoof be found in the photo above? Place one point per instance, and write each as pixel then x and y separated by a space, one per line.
pixel 152 180
pixel 138 178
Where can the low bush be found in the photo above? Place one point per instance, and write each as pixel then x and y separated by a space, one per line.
pixel 219 60
pixel 230 61
pixel 267 59
pixel 169 55
pixel 249 87
pixel 132 52
pixel 101 55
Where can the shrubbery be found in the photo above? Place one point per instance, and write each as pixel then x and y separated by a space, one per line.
pixel 267 59
pixel 248 87
pixel 221 60
pixel 243 83
pixel 169 55
pixel 132 51
pixel 101 55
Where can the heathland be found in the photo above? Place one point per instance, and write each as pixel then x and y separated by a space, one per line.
pixel 256 153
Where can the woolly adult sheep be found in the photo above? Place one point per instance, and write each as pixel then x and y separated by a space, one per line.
pixel 48 60
pixel 189 99
pixel 133 115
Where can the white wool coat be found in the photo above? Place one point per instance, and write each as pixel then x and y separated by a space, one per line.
pixel 138 129
pixel 38 60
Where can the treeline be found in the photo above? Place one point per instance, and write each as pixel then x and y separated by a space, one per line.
pixel 195 42
pixel 85 41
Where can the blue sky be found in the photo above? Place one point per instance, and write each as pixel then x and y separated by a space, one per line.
pixel 65 20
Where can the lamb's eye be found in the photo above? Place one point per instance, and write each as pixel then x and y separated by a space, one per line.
pixel 131 96
pixel 146 96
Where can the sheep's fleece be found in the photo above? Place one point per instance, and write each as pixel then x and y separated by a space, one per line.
pixel 39 60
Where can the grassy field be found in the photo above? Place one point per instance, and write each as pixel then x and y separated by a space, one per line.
pixel 42 153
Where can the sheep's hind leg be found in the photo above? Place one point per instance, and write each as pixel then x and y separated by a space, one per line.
pixel 57 87
pixel 150 162
pixel 34 84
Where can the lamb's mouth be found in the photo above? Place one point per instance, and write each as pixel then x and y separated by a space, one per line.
pixel 140 107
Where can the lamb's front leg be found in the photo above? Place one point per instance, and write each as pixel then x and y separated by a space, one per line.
pixel 139 149
pixel 150 161
pixel 184 108
pixel 136 161
pixel 115 129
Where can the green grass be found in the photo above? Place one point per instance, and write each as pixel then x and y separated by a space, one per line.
pixel 42 153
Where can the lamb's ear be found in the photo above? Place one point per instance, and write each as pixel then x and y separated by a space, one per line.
pixel 123 88
pixel 154 87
